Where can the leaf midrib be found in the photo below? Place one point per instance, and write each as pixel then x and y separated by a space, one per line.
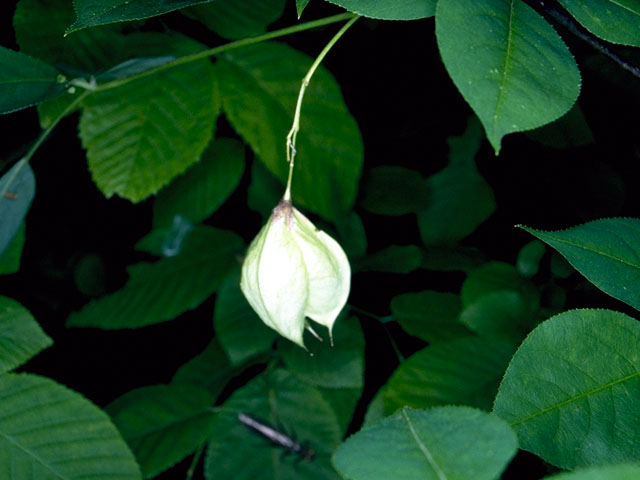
pixel 505 67
pixel 423 448
pixel 33 455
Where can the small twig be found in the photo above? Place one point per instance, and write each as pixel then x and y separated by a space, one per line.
pixel 568 22
pixel 194 462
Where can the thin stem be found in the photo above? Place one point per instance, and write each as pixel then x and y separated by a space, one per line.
pixel 194 462
pixel 43 136
pixel 226 47
pixel 293 133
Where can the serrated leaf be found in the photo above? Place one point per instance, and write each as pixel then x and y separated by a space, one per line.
pixel 394 191
pixel 393 259
pixel 572 390
pixel 431 316
pixel 204 187
pixel 465 371
pixel 238 328
pixel 49 432
pixel 20 335
pixel 235 20
pixel 163 423
pixel 390 9
pixel 10 258
pixel 605 251
pixel 509 64
pixel 156 292
pixel 259 86
pixel 137 147
pixel 436 444
pixel 617 21
pixel 288 405
pixel 17 189
pixel 25 81
pixel 459 198
pixel 609 472
pixel 337 366
pixel 210 369
pixel 91 13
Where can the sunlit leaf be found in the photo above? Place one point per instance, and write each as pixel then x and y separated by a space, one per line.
pixel 572 390
pixel 160 291
pixel 390 9
pixel 163 423
pixel 436 444
pixel 617 21
pixel 204 187
pixel 20 335
pixel 259 86
pixel 509 64
pixel 49 432
pixel 605 251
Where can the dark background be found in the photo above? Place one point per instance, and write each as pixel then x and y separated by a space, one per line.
pixel 399 92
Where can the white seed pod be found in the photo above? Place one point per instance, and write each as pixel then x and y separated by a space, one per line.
pixel 292 271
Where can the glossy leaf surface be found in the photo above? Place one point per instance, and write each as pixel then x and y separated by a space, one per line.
pixel 617 21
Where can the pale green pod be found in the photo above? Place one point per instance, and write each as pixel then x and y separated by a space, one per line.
pixel 293 271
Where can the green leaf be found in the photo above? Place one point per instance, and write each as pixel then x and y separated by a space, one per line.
pixel 393 259
pixel 436 444
pixel 529 256
pixel 509 64
pixel 10 258
pixel 569 131
pixel 300 6
pixel 572 390
pixel 265 190
pixel 163 423
pixel 259 86
pixel 49 432
pixel 168 241
pixel 40 27
pixel 239 330
pixel 17 189
pixel 609 472
pixel 459 198
pixel 465 371
pixel 605 251
pixel 91 13
pixel 448 259
pixel 204 187
pixel 501 314
pixel 337 366
pixel 235 20
pixel 617 21
pixel 394 191
pixel 351 235
pixel 343 401
pixel 210 369
pixel 290 406
pixel 495 277
pixel 156 292
pixel 20 335
pixel 390 9
pixel 137 147
pixel 431 316
pixel 25 81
